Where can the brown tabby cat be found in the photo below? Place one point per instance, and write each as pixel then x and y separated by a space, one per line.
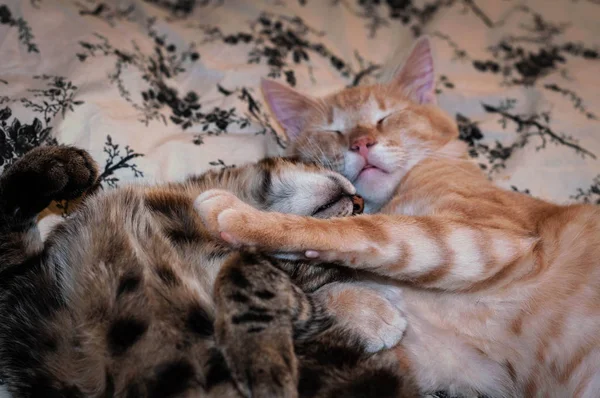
pixel 118 302
pixel 502 290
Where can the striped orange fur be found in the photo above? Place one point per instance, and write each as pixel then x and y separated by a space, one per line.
pixel 502 290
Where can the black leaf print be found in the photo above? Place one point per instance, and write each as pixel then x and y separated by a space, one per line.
pixel 534 125
pixel 218 120
pixel 591 194
pixel 57 96
pixel 164 63
pixel 491 158
pixel 25 34
pixel 183 8
pixel 221 164
pixel 282 43
pixel 459 53
pixel 574 98
pixel 525 191
pixel 443 83
pixel 525 59
pixel 379 14
pixel 117 160
pixel 104 11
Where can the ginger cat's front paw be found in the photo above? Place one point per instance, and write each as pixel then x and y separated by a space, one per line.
pixel 221 212
pixel 372 311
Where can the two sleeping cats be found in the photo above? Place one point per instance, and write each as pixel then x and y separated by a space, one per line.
pixel 501 290
pixel 137 295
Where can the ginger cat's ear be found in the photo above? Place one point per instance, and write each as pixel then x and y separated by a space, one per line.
pixel 416 79
pixel 290 108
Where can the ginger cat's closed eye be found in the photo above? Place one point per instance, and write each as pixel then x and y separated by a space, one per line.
pixel 502 290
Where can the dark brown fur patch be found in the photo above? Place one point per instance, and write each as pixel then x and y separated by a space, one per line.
pixel 264 294
pixel 123 333
pixel 199 322
pixel 171 379
pixel 167 276
pixel 128 283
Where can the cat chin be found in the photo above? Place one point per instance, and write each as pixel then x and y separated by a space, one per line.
pixel 376 187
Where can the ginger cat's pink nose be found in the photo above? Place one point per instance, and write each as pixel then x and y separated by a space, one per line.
pixel 362 145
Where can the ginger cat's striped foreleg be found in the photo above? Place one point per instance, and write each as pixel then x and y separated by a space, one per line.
pixel 436 252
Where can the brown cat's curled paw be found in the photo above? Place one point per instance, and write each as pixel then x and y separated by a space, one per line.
pixel 45 174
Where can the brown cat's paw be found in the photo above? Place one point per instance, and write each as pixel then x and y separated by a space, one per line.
pixel 266 377
pixel 45 174
pixel 222 213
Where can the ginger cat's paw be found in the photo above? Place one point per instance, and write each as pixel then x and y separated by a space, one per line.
pixel 220 211
pixel 372 311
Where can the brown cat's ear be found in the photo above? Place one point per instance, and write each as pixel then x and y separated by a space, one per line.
pixel 291 108
pixel 416 79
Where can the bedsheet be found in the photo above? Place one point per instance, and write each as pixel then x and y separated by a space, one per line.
pixel 160 89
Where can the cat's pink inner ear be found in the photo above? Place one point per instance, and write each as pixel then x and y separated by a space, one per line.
pixel 290 108
pixel 416 79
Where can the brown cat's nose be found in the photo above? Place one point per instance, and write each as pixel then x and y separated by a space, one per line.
pixel 358 205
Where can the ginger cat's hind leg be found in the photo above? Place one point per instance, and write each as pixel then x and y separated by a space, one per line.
pixel 374 310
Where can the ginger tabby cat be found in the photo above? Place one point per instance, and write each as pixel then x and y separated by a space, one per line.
pixel 501 290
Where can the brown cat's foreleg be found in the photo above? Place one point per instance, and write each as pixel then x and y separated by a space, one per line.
pixel 256 307
pixel 29 185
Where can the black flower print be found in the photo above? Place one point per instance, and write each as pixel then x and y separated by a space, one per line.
pixel 17 138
